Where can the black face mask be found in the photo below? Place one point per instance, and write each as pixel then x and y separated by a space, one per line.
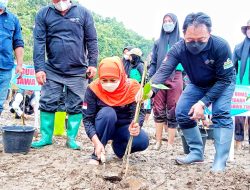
pixel 195 47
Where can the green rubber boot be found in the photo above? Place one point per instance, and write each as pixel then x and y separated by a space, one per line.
pixel 74 122
pixel 46 130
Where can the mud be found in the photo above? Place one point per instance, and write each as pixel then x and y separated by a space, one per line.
pixel 57 167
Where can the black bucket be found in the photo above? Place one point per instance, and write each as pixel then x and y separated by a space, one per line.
pixel 17 139
pixel 186 147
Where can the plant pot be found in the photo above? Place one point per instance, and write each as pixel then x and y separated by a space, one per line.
pixel 17 139
pixel 185 145
pixel 209 131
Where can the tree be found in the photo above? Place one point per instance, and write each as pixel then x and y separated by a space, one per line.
pixel 112 35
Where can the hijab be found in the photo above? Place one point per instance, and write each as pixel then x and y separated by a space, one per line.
pixel 127 89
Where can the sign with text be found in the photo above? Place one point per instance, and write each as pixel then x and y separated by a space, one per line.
pixel 240 104
pixel 28 79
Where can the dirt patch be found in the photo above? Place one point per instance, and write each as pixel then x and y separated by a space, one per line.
pixel 57 167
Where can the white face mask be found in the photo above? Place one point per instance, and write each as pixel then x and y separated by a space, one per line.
pixel 62 5
pixel 126 57
pixel 168 27
pixel 110 87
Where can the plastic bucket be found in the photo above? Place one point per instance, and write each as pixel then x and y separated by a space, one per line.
pixel 185 145
pixel 17 139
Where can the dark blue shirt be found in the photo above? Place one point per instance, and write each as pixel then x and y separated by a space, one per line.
pixel 10 39
pixel 125 114
pixel 210 68
pixel 70 41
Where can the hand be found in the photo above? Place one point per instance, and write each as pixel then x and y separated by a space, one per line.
pixel 92 71
pixel 139 95
pixel 134 129
pixel 99 150
pixel 19 70
pixel 41 77
pixel 196 112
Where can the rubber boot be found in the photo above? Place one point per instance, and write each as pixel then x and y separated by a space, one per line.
pixel 222 143
pixel 194 141
pixel 46 129
pixel 73 125
pixel 60 118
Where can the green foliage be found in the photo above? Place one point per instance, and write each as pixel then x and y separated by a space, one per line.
pixel 146 89
pixel 160 86
pixel 112 35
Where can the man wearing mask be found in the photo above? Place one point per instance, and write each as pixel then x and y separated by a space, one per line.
pixel 10 40
pixel 207 62
pixel 67 33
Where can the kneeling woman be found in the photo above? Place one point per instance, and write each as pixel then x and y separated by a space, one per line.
pixel 110 111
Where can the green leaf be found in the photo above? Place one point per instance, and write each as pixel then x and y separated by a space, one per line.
pixel 146 89
pixel 160 86
pixel 248 98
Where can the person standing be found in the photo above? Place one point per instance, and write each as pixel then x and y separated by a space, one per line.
pixel 207 61
pixel 165 101
pixel 10 40
pixel 241 60
pixel 67 33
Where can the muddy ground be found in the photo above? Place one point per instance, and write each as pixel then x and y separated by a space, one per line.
pixel 57 167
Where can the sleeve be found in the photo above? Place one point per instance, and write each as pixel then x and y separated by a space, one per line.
pixel 89 113
pixel 90 38
pixel 141 114
pixel 167 67
pixel 39 42
pixel 225 74
pixel 153 63
pixel 236 58
pixel 17 37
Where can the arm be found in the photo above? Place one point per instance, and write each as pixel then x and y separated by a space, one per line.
pixel 90 38
pixel 236 58
pixel 40 34
pixel 153 64
pixel 166 69
pixel 225 74
pixel 18 45
pixel 89 114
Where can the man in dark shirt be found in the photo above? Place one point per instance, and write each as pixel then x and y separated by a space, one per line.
pixel 207 62
pixel 10 40
pixel 68 34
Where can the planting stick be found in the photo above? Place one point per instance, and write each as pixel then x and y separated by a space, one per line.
pixel 136 118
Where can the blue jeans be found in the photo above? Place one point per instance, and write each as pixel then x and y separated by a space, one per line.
pixel 108 129
pixel 220 108
pixel 5 77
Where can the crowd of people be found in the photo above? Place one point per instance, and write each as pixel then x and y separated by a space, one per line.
pixel 107 105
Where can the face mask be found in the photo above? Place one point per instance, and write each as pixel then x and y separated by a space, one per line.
pixel 3 4
pixel 62 5
pixel 168 27
pixel 126 57
pixel 110 87
pixel 195 47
